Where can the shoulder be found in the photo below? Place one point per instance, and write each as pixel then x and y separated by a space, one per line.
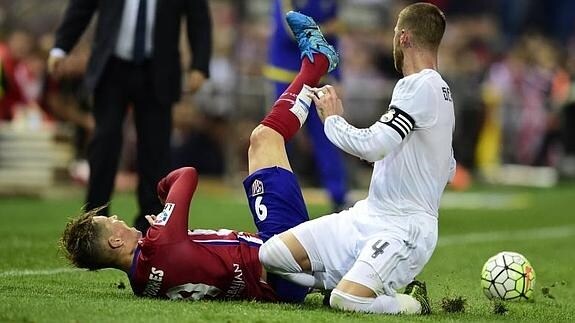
pixel 413 84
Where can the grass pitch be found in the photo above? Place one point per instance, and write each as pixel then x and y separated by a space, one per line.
pixel 36 284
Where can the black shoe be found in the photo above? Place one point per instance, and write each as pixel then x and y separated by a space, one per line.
pixel 418 290
pixel 326 296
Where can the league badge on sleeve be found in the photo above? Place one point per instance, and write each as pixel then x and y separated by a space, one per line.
pixel 164 216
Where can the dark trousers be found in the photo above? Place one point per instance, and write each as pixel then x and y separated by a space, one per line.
pixel 122 85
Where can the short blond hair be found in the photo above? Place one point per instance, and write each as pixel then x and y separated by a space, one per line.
pixel 82 244
pixel 425 21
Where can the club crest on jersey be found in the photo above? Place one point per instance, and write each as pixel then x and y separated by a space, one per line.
pixel 257 188
pixel 388 115
pixel 164 216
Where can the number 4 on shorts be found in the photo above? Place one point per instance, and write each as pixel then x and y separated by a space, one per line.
pixel 378 248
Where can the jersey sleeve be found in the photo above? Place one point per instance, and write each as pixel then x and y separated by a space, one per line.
pixel 370 144
pixel 176 191
pixel 413 104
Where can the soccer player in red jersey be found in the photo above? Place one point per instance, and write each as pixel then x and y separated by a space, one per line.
pixel 171 261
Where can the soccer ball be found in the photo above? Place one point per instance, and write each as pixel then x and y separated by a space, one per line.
pixel 508 276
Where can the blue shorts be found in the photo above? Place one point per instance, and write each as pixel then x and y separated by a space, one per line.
pixel 277 204
pixel 275 200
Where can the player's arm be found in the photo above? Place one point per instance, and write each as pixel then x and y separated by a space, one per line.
pixel 370 144
pixel 175 191
pixel 412 103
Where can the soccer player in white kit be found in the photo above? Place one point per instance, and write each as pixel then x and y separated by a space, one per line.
pixel 365 254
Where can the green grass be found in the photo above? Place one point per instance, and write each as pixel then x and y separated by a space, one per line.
pixel 30 229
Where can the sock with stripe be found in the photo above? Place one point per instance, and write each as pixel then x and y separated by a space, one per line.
pixel 290 110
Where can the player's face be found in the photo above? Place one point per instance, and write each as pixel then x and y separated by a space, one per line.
pixel 116 226
pixel 397 51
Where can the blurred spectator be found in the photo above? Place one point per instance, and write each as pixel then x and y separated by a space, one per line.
pixel 465 78
pixel 135 60
pixel 522 82
pixel 201 122
pixel 563 102
pixel 67 100
pixel 15 56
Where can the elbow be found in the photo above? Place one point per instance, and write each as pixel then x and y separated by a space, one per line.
pixel 190 175
pixel 371 156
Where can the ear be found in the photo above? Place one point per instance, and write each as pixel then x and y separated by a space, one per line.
pixel 115 242
pixel 405 38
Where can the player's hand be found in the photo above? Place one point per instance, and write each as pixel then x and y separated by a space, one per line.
pixel 151 219
pixel 326 102
pixel 195 81
pixel 54 65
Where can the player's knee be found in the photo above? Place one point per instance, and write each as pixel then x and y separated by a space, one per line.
pixel 276 257
pixel 268 254
pixel 259 136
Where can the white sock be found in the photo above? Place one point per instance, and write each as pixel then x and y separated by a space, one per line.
pixel 384 304
pixel 302 105
pixel 408 304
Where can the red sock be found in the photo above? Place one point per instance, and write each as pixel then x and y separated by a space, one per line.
pixel 280 118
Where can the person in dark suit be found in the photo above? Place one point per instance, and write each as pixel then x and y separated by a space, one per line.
pixel 135 61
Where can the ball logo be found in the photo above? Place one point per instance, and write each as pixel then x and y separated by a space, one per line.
pixel 528 276
pixel 388 116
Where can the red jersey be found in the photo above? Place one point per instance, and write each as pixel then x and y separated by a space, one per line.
pixel 173 262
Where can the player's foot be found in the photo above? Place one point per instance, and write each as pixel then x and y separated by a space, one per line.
pixel 310 39
pixel 418 290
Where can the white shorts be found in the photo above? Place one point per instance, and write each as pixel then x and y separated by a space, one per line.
pixel 382 252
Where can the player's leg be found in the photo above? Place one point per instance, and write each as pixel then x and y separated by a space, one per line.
pixel 360 297
pixel 267 157
pixel 274 195
pixel 288 114
pixel 389 261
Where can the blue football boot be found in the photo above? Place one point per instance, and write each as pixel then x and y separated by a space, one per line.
pixel 310 39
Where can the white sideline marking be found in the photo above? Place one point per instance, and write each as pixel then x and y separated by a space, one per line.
pixel 454 239
pixel 41 272
pixel 531 234
pixel 449 199
pixel 484 200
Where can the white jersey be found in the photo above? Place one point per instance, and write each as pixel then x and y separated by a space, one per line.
pixel 415 137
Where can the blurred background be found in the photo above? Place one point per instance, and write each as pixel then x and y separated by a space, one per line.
pixel 510 65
